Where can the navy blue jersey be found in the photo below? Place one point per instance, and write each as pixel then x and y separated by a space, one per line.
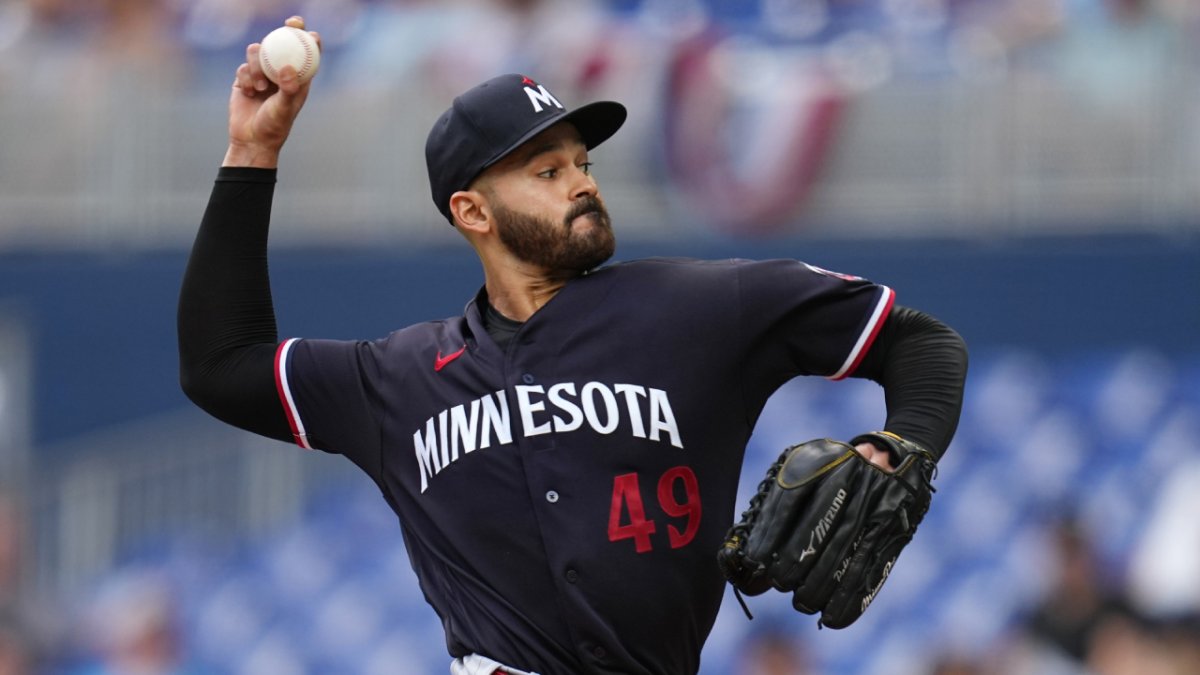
pixel 562 499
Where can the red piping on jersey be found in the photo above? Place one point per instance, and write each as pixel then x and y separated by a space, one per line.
pixel 879 321
pixel 285 396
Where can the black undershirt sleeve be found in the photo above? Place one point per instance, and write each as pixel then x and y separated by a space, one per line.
pixel 922 365
pixel 226 320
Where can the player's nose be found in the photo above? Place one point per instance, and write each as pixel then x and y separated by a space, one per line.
pixel 583 185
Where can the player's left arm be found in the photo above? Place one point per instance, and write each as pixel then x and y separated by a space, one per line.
pixel 827 527
pixel 921 363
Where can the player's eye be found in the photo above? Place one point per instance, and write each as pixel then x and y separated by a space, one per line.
pixel 548 173
pixel 586 168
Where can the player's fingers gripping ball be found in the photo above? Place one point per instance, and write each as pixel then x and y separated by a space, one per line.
pixel 289 46
pixel 827 525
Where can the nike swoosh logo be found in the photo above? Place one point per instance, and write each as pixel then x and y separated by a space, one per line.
pixel 441 361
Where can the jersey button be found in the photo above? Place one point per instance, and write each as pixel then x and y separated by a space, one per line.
pixel 599 652
pixel 552 496
pixel 527 378
pixel 572 576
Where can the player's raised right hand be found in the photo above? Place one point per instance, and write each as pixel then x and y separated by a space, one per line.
pixel 261 113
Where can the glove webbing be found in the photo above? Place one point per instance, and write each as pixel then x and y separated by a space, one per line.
pixel 750 515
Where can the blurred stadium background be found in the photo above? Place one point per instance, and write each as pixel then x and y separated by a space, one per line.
pixel 1026 170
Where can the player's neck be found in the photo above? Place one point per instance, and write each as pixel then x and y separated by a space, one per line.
pixel 517 289
pixel 519 301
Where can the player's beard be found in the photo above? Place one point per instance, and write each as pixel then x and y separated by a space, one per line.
pixel 558 248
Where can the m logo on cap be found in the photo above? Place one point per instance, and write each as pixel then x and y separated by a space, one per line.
pixel 539 97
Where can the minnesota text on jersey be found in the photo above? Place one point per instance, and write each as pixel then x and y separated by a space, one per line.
pixel 467 427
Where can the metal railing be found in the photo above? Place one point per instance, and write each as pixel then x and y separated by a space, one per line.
pixel 176 477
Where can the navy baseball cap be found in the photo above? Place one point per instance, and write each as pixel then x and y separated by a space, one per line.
pixel 491 120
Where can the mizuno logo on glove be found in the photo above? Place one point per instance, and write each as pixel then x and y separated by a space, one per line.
pixel 818 534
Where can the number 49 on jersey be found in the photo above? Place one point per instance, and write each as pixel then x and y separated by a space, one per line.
pixel 627 517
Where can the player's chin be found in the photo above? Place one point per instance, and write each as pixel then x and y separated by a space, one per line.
pixel 588 249
pixel 603 248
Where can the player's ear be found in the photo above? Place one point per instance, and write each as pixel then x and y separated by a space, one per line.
pixel 470 210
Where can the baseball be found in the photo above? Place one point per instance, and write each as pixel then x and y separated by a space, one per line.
pixel 287 46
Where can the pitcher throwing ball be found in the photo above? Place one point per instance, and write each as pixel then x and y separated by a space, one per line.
pixel 563 457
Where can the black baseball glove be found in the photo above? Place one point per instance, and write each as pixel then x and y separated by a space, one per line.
pixel 827 525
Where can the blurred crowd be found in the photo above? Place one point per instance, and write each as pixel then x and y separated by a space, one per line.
pixel 736 107
pixel 870 39
pixel 23 635
pixel 56 44
pixel 1086 622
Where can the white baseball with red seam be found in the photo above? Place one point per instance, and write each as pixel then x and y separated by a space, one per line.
pixel 289 46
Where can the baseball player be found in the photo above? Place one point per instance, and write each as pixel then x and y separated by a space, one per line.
pixel 564 456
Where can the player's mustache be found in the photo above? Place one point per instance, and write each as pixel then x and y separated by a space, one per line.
pixel 585 205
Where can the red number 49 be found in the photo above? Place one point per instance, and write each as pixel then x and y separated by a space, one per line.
pixel 627 498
